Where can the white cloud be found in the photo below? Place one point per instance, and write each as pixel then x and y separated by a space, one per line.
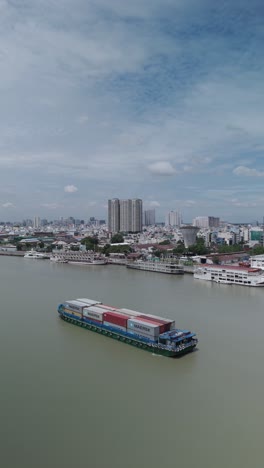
pixel 51 206
pixel 153 204
pixel 70 189
pixel 163 168
pixel 8 205
pixel 83 119
pixel 247 171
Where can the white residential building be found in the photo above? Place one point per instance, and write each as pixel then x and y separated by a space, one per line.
pixel 173 218
pixel 149 217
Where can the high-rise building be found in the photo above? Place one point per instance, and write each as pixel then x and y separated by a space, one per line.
pixel 36 222
pixel 113 215
pixel 173 218
pixel 149 218
pixel 136 221
pixel 125 215
pixel 206 221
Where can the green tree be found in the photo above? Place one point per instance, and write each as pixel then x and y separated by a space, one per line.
pixel 91 243
pixel 117 238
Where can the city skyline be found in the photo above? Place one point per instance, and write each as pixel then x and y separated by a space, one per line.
pixel 158 100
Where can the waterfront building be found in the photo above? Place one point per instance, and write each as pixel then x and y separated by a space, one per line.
pixel 149 218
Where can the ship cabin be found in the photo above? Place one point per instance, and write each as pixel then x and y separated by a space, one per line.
pixel 175 338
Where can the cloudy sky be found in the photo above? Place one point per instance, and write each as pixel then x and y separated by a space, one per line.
pixel 157 99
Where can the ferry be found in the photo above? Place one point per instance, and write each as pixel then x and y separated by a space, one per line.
pixel 78 258
pixel 158 267
pixel 230 274
pixel 145 331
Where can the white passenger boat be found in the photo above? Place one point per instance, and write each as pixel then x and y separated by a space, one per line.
pixel 230 274
pixel 158 267
pixel 36 255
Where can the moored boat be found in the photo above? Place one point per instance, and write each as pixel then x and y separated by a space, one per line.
pixel 230 274
pixel 145 331
pixel 157 267
pixel 36 255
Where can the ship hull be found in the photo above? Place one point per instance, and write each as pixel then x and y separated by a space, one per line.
pixel 153 348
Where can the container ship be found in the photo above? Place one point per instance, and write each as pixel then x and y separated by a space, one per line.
pixel 149 332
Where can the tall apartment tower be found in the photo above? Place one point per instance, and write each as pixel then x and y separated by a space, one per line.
pixel 149 218
pixel 113 215
pixel 125 215
pixel 36 222
pixel 136 219
pixel 174 218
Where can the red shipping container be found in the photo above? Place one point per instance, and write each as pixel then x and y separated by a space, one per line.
pixel 163 326
pixel 116 319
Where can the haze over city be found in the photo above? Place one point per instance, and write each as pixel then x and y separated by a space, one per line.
pixel 159 100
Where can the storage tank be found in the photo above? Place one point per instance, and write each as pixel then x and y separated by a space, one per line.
pixel 189 235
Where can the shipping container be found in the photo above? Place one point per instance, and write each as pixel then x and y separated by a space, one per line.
pixel 94 313
pixel 93 320
pixel 73 312
pixel 114 326
pixel 138 334
pixel 144 327
pixel 129 312
pixel 106 307
pixel 89 302
pixel 115 318
pixel 166 320
pixel 164 326
pixel 75 305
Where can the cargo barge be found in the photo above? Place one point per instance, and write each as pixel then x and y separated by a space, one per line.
pixel 145 331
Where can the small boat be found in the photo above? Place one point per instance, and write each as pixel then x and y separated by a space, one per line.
pixel 36 255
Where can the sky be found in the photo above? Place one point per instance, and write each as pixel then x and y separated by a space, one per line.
pixel 155 99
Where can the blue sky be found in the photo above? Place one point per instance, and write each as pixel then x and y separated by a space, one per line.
pixel 157 99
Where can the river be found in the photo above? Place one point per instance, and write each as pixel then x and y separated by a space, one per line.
pixel 74 399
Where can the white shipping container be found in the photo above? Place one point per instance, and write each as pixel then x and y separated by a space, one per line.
pixel 130 313
pixel 75 305
pixel 146 328
pixel 113 325
pixel 89 301
pixel 93 313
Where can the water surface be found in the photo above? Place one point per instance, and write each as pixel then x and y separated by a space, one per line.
pixel 73 399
